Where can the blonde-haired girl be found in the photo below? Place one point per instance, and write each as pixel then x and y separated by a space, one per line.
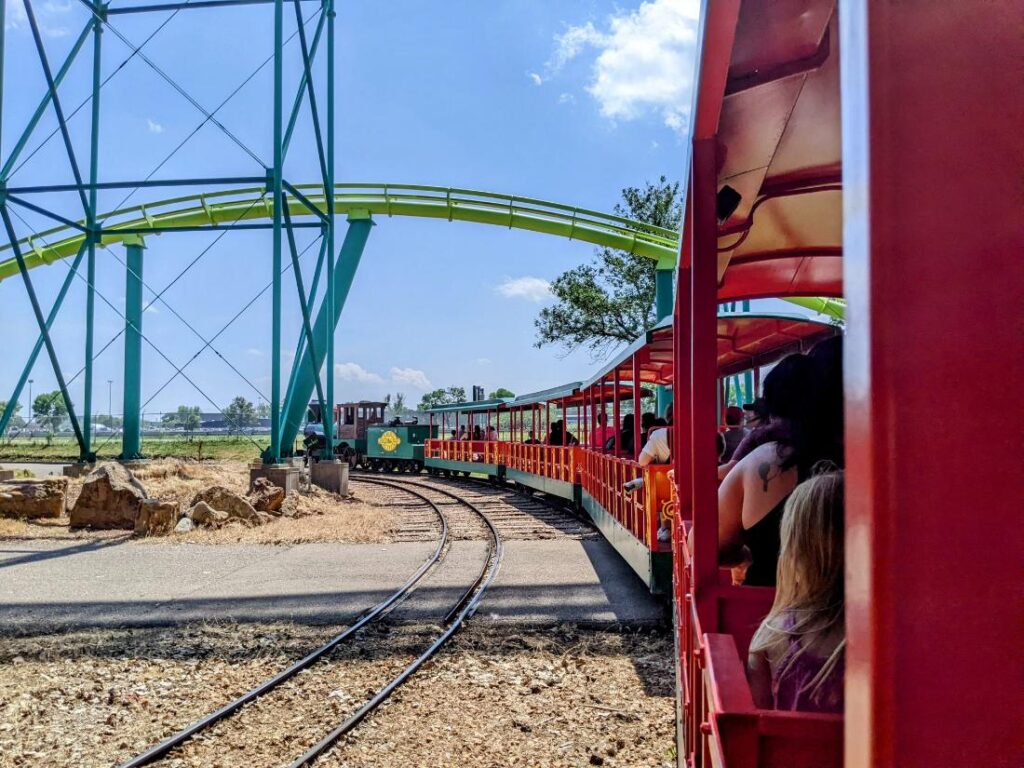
pixel 796 658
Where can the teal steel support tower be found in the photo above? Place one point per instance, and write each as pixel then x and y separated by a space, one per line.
pixel 131 438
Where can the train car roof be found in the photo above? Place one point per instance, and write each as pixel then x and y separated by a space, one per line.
pixel 472 406
pixel 745 341
pixel 768 94
pixel 545 395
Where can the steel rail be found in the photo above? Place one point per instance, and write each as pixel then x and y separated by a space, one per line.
pixel 167 745
pixel 465 608
pixel 207 210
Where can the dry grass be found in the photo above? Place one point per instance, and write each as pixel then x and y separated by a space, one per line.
pixel 493 697
pixel 311 516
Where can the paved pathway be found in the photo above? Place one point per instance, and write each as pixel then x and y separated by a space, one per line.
pixel 50 584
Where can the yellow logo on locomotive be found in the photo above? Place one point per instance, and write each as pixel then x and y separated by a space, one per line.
pixel 389 441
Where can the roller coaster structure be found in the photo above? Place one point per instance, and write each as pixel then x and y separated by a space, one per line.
pixel 269 202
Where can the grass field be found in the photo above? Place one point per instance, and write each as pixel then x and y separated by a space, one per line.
pixel 239 448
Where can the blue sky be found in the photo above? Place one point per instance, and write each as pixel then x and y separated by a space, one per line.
pixel 566 101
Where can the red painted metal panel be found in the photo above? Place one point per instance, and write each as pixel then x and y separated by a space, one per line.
pixel 933 108
pixel 703 378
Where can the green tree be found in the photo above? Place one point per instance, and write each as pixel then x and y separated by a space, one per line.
pixel 501 392
pixel 398 404
pixel 610 301
pixel 442 397
pixel 263 410
pixel 240 413
pixel 16 420
pixel 50 410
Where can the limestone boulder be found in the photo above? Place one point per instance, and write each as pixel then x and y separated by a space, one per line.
pixel 220 498
pixel 34 498
pixel 265 496
pixel 203 515
pixel 184 525
pixel 111 497
pixel 156 518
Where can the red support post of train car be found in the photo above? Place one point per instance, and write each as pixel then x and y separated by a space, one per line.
pixel 933 239
pixel 703 292
pixel 637 410
pixel 615 411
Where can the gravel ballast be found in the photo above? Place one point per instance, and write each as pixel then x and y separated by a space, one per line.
pixel 565 696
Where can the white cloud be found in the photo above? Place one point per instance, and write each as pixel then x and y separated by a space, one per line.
pixel 356 372
pixel 152 309
pixel 254 352
pixel 412 376
pixel 154 126
pixel 16 18
pixel 566 98
pixel 644 64
pixel 483 361
pixel 535 78
pixel 535 289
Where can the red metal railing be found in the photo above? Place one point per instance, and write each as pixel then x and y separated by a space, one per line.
pixel 556 462
pixel 470 451
pixel 604 477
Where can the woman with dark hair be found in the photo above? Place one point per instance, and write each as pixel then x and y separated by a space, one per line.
pixel 806 392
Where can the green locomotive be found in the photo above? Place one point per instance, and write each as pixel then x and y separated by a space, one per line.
pixel 396 447
pixel 363 440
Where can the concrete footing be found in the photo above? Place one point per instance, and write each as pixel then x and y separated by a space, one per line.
pixel 330 475
pixel 282 475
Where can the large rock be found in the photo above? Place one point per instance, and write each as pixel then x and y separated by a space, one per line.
pixel 220 498
pixel 265 496
pixel 156 517
pixel 34 498
pixel 111 497
pixel 204 515
pixel 185 525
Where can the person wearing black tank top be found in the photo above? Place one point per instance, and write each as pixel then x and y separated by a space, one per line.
pixel 806 390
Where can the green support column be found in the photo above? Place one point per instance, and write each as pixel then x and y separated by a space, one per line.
pixel 131 437
pixel 328 418
pixel 297 398
pixel 664 305
pixel 87 454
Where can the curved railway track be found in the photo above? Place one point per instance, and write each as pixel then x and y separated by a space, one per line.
pixel 453 620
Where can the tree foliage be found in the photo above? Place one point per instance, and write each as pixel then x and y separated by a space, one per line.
pixel 16 420
pixel 610 301
pixel 442 397
pixel 501 392
pixel 397 404
pixel 240 413
pixel 186 417
pixel 50 410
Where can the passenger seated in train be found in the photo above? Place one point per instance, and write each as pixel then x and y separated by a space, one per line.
pixel 797 656
pixel 455 435
pixel 492 433
pixel 764 428
pixel 559 435
pixel 734 432
pixel 658 450
pixel 646 422
pixel 808 392
pixel 531 438
pixel 625 437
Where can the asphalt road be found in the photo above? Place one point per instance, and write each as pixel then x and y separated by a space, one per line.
pixel 94 583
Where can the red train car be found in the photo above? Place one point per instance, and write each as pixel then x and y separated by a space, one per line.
pixel 871 150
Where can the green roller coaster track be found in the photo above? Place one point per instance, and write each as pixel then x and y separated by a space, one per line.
pixel 228 207
pixel 416 200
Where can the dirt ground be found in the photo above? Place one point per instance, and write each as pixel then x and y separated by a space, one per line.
pixel 314 515
pixel 544 698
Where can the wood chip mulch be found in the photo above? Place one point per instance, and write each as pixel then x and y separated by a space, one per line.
pixel 495 696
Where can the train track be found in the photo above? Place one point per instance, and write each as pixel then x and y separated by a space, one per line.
pixel 452 621
pixel 516 515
